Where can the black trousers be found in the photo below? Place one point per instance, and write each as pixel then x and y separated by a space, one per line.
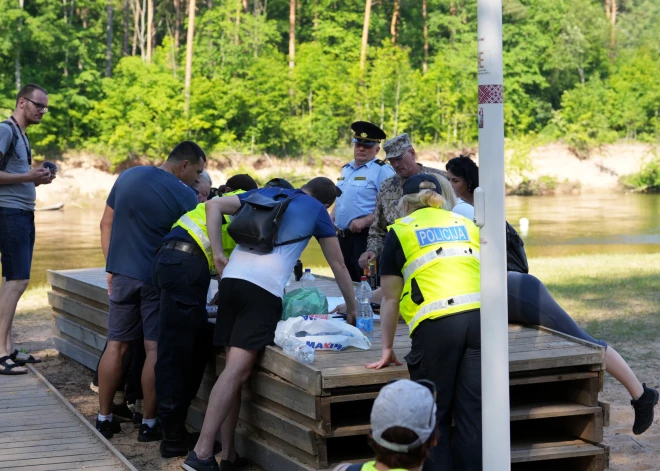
pixel 447 351
pixel 352 246
pixel 185 336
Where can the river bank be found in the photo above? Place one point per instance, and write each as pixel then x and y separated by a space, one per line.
pixel 83 179
pixel 619 306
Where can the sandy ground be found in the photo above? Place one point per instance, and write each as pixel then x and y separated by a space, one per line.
pixel 82 179
pixel 628 452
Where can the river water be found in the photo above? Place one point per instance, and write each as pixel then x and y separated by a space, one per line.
pixel 558 226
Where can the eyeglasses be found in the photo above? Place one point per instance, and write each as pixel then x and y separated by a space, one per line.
pixel 40 106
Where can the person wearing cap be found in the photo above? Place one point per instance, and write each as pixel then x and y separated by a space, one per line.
pixel 250 300
pixel 279 183
pixel 182 271
pixel 430 274
pixel 399 152
pixel 360 181
pixel 402 427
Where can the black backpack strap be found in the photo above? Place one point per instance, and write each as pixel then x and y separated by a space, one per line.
pixel 10 150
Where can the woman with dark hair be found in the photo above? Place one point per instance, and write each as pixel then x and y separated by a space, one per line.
pixel 463 174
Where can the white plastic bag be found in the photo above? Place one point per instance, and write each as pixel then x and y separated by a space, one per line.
pixel 321 334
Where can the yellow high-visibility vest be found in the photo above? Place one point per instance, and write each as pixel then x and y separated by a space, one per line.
pixel 194 222
pixel 441 273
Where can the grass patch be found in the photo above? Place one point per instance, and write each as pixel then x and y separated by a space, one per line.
pixel 612 297
pixel 34 303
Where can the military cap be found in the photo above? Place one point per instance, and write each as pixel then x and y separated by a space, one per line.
pixel 412 185
pixel 397 146
pixel 367 133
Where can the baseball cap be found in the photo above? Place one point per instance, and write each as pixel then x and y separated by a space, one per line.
pixel 412 184
pixel 242 181
pixel 279 183
pixel 407 404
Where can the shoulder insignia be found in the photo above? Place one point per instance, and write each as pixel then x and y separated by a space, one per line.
pixel 380 162
pixel 340 179
pixel 347 165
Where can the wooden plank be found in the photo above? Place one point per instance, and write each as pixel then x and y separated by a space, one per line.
pixel 92 315
pixel 266 455
pixel 525 361
pixel 359 376
pixel 552 378
pixel 100 465
pixel 80 333
pixel 302 375
pixel 606 406
pixel 82 356
pixel 44 434
pixel 44 440
pixel 90 283
pixel 76 458
pixel 554 452
pixel 542 410
pixel 62 449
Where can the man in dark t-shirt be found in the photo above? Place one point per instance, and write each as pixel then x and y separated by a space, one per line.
pixel 140 210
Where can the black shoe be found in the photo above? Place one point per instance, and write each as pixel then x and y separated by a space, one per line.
pixel 107 428
pixel 122 412
pixel 193 463
pixel 182 446
pixel 644 409
pixel 137 418
pixel 150 434
pixel 238 463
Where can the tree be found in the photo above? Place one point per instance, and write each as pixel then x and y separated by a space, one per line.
pixel 365 34
pixel 395 18
pixel 426 38
pixel 108 47
pixel 150 29
pixel 292 33
pixel 189 54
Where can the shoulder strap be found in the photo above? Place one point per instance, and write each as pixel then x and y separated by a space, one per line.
pixel 10 150
pixel 354 467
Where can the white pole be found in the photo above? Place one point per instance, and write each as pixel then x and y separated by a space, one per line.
pixel 491 218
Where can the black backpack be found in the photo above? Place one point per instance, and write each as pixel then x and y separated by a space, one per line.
pixel 10 150
pixel 256 225
pixel 516 258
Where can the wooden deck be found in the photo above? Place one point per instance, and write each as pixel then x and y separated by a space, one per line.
pixel 39 430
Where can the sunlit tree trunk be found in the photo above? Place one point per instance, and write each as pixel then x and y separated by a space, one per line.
pixel 177 23
pixel 239 6
pixel 292 33
pixel 108 43
pixel 395 19
pixel 426 38
pixel 17 58
pixel 246 5
pixel 189 54
pixel 150 28
pixel 365 36
pixel 127 26
pixel 611 12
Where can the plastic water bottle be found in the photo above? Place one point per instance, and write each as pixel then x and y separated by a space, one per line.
pixel 212 310
pixel 299 350
pixel 290 281
pixel 365 315
pixel 308 280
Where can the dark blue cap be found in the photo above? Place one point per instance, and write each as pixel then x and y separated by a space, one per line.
pixel 412 184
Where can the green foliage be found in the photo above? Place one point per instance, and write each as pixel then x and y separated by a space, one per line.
pixel 564 78
pixel 647 180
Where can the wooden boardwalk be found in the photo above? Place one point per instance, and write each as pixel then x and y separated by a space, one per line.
pixel 40 431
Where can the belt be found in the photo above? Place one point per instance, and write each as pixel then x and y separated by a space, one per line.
pixel 184 247
pixel 348 233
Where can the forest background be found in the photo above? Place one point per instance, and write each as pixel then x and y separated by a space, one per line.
pixel 128 79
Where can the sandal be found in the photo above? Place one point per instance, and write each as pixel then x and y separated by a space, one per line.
pixel 8 369
pixel 20 362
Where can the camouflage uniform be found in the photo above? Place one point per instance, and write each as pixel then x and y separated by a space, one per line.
pixel 386 213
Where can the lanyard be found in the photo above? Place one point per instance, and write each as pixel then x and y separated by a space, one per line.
pixel 25 142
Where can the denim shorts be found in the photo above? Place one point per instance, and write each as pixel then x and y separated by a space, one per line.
pixel 134 307
pixel 16 243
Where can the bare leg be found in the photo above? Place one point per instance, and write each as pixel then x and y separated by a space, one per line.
pixel 227 431
pixel 617 367
pixel 10 292
pixel 150 404
pixel 111 373
pixel 223 397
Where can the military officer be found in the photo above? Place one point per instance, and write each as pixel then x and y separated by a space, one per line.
pixel 399 152
pixel 360 181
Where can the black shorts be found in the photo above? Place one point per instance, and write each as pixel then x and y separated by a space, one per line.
pixel 247 315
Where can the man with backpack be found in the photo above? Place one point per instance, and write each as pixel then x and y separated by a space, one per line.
pixel 17 196
pixel 251 289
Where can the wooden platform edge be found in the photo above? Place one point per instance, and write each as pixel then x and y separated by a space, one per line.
pixel 82 419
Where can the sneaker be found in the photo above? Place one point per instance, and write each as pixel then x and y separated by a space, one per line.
pixel 150 434
pixel 137 418
pixel 644 409
pixel 193 463
pixel 122 412
pixel 182 446
pixel 94 387
pixel 107 428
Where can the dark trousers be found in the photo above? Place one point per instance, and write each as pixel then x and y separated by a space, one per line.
pixel 352 246
pixel 184 340
pixel 447 351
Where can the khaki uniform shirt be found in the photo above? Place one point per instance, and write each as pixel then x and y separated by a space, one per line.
pixel 386 212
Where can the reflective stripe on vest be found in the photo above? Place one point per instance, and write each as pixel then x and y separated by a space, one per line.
pixel 428 257
pixel 443 304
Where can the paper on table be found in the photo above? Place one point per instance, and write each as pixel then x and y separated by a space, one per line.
pixel 334 301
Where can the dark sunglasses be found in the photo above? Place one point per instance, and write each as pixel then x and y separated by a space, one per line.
pixel 40 106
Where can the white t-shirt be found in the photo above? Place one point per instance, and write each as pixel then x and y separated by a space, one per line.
pixel 464 209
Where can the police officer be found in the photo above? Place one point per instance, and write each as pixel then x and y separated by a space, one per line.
pixel 182 272
pixel 359 182
pixel 432 256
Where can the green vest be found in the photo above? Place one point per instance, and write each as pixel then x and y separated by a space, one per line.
pixel 194 222
pixel 441 273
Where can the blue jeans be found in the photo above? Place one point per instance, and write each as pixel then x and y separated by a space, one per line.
pixel 16 243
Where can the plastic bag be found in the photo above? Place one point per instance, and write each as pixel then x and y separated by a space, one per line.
pixel 303 301
pixel 321 334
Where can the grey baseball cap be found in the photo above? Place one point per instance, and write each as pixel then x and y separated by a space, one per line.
pixel 406 404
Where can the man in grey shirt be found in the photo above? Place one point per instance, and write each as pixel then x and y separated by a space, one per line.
pixel 17 195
